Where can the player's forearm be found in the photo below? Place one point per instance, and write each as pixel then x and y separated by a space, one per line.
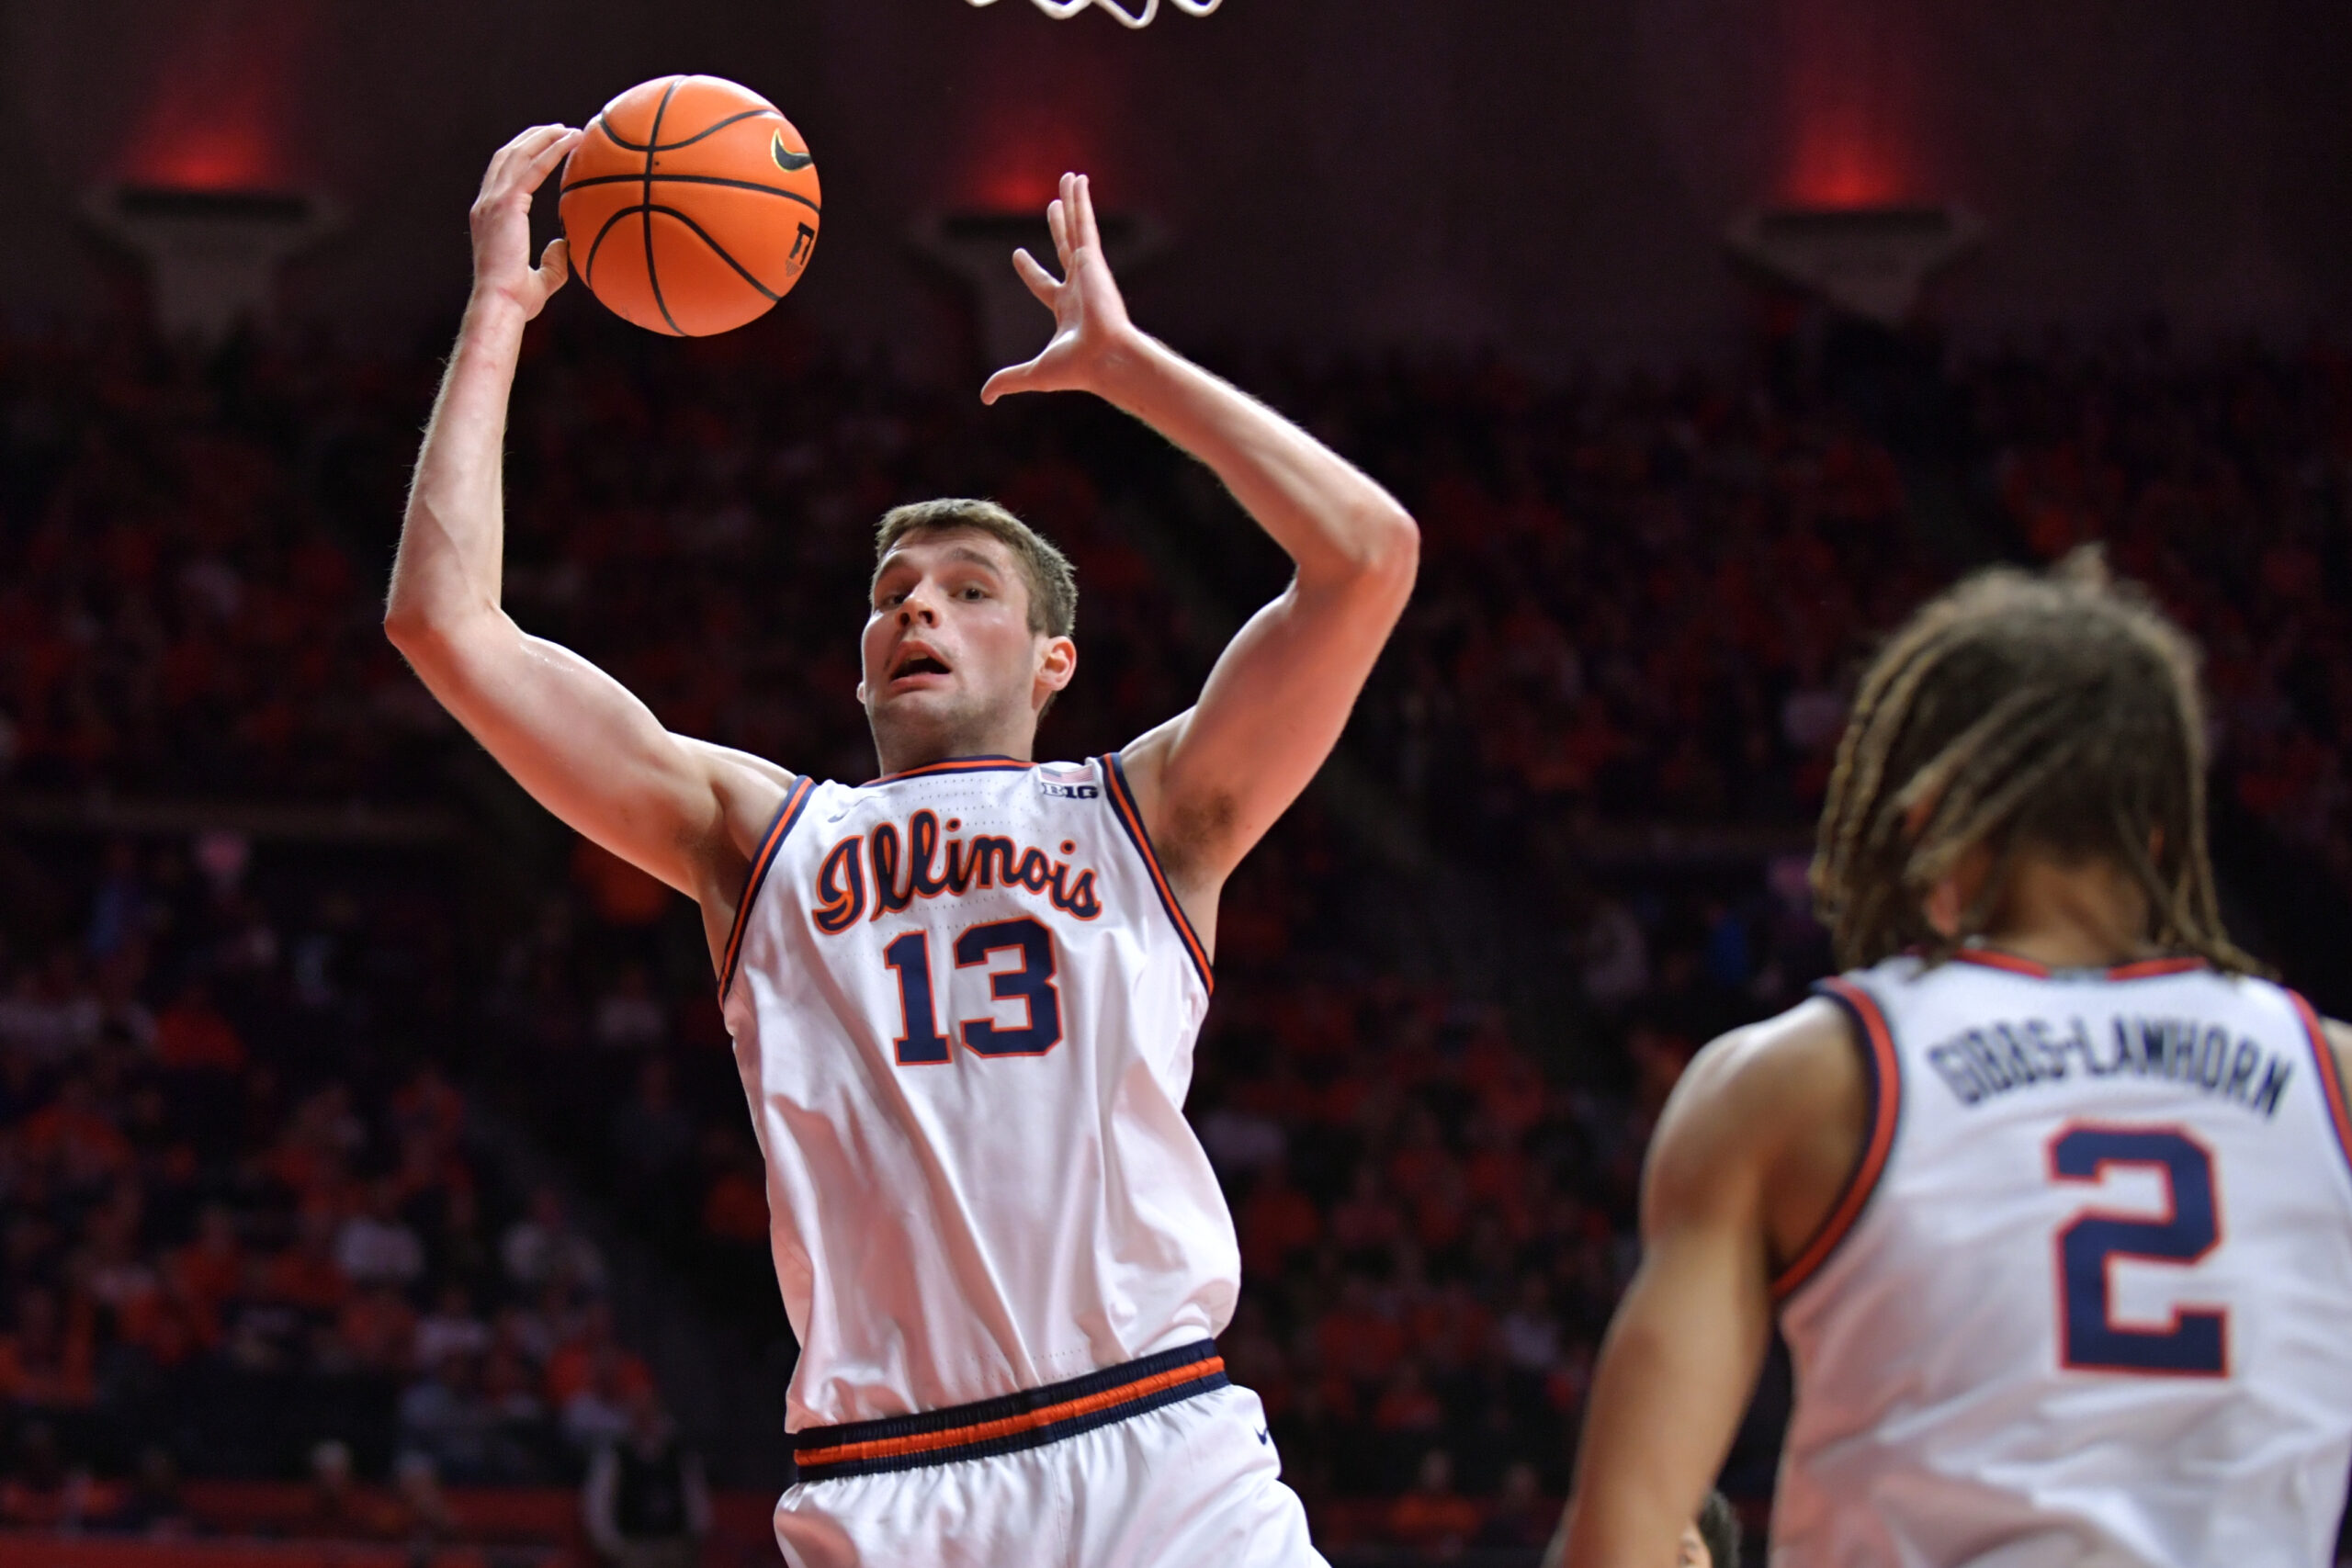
pixel 1333 521
pixel 450 567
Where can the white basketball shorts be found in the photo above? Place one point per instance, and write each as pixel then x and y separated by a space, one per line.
pixel 1160 1463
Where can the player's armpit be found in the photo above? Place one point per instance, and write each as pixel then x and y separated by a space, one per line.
pixel 1734 1183
pixel 1212 781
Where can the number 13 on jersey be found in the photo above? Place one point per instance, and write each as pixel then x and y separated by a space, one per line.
pixel 2196 1343
pixel 920 1042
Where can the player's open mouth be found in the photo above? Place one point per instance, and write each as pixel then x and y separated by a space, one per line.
pixel 916 660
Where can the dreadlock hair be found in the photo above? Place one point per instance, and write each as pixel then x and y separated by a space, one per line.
pixel 2054 711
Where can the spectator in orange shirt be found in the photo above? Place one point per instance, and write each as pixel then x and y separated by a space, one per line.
pixel 192 1037
pixel 735 1207
pixel 1367 1225
pixel 208 1269
pixel 1355 1339
pixel 573 1366
pixel 378 1329
pixel 1276 1220
pixel 73 1135
pixel 1433 1518
pixel 1407 1405
pixel 47 1360
pixel 306 1275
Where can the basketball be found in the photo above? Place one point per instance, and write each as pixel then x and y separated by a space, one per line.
pixel 691 205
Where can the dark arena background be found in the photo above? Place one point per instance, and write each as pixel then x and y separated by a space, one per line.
pixel 371 1154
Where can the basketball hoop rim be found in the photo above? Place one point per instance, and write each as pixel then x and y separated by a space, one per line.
pixel 1063 10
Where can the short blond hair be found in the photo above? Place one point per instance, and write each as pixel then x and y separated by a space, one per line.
pixel 1052 580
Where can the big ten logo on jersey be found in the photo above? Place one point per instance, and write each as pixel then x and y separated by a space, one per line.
pixel 876 874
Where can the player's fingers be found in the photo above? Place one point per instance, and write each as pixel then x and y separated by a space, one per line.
pixel 515 158
pixel 1012 378
pixel 555 263
pixel 545 154
pixel 1043 284
pixel 1058 219
pixel 1090 234
pixel 525 145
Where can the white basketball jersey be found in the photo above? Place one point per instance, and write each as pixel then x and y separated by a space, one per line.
pixel 964 1001
pixel 2088 1298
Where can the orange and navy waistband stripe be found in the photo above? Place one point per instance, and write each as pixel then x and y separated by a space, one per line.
pixel 1886 1112
pixel 1018 1421
pixel 796 801
pixel 2330 1073
pixel 1122 806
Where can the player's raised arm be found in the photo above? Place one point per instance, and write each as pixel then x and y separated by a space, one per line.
pixel 1750 1157
pixel 583 746
pixel 1213 780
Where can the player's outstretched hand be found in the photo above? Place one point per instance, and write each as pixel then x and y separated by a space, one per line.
pixel 502 222
pixel 1092 337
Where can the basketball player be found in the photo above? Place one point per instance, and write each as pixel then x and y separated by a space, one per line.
pixel 2050 1193
pixel 964 996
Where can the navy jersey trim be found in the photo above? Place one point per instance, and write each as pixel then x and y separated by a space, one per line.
pixel 795 802
pixel 1122 806
pixel 1879 1060
pixel 1029 1419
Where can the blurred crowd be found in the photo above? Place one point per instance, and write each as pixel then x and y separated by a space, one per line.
pixel 252 1227
pixel 242 1154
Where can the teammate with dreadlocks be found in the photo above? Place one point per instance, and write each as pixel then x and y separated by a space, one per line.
pixel 2050 1193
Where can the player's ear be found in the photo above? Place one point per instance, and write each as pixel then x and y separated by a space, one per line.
pixel 861 691
pixel 1948 903
pixel 1057 663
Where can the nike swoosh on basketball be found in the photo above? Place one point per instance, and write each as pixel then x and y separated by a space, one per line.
pixel 785 159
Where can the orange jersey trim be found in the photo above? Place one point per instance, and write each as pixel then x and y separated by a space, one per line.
pixel 1886 1110
pixel 2139 969
pixel 2330 1073
pixel 1122 804
pixel 959 765
pixel 1029 1421
pixel 796 800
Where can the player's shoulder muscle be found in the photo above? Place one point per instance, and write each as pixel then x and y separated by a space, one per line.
pixel 1771 1114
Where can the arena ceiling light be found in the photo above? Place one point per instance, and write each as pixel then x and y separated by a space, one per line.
pixel 1063 10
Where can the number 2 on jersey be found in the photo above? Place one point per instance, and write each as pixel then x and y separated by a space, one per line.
pixel 2196 1345
pixel 920 1042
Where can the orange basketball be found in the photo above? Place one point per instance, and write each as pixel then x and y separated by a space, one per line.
pixel 691 205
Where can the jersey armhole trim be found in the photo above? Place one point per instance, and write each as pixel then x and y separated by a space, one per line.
pixel 796 801
pixel 1122 806
pixel 1886 1109
pixel 2330 1073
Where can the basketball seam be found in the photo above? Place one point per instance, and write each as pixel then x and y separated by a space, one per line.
pixel 588 272
pixel 652 275
pixel 716 249
pixel 657 145
pixel 695 180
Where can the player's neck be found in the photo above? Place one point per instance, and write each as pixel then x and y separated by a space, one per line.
pixel 2085 916
pixel 904 754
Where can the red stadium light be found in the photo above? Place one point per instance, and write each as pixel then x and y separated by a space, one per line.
pixel 224 117
pixel 218 158
pixel 1850 103
pixel 1836 169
